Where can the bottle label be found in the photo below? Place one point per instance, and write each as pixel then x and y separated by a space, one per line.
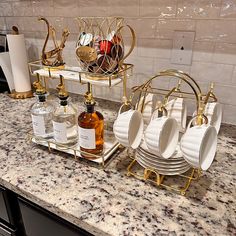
pixel 59 132
pixel 87 138
pixel 38 125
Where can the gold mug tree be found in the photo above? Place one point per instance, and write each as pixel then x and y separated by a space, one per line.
pixel 195 94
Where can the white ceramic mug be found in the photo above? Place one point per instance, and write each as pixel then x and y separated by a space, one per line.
pixel 128 128
pixel 161 136
pixel 177 109
pixel 147 108
pixel 213 111
pixel 198 145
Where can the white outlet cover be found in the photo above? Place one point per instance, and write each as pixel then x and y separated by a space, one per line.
pixel 182 47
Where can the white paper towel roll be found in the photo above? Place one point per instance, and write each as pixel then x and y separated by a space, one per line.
pixel 5 63
pixel 19 62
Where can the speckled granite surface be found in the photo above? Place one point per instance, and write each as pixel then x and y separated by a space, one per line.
pixel 108 202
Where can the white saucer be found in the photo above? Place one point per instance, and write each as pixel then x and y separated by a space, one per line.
pixel 163 172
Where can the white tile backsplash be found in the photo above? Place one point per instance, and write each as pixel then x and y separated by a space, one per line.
pixel 214 51
pixel 216 30
pixel 93 7
pixel 62 7
pixel 227 94
pixel 234 76
pixel 6 9
pixel 164 8
pixel 228 9
pixel 165 28
pixel 198 8
pixel 22 8
pixel 124 8
pixel 204 71
pixel 203 51
pixel 225 53
pixel 42 8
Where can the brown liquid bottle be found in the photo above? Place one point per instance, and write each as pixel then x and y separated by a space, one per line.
pixel 91 129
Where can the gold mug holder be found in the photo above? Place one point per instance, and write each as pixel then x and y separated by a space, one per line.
pixel 140 92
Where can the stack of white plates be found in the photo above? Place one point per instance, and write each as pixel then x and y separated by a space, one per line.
pixel 173 166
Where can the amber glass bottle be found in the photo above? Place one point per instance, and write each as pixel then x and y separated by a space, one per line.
pixel 91 129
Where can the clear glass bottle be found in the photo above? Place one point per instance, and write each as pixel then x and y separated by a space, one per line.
pixel 91 128
pixel 65 124
pixel 42 113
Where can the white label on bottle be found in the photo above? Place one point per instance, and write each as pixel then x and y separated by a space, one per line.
pixel 87 138
pixel 59 132
pixel 38 125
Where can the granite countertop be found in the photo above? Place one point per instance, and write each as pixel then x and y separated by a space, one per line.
pixel 107 202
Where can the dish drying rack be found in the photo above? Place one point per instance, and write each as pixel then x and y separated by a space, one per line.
pixel 140 93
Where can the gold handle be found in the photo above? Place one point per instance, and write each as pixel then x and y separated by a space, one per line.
pixel 132 43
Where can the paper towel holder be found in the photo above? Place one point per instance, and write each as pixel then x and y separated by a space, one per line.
pixel 21 95
pixel 14 94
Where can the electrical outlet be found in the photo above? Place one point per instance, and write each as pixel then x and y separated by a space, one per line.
pixel 182 47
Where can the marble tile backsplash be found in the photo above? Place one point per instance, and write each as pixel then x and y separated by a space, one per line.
pixel 214 50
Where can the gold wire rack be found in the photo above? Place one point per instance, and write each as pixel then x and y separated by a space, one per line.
pixel 152 176
pixel 111 148
pixel 92 31
pixel 76 75
pixel 137 99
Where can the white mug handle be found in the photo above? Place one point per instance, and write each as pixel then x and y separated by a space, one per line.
pixel 123 105
pixel 153 114
pixel 191 121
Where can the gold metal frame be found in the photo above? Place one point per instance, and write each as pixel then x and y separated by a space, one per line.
pixel 102 27
pixel 201 100
pixel 84 77
pixel 154 177
pixel 123 74
pixel 76 153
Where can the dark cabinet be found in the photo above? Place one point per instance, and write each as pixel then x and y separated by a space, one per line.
pixel 8 225
pixel 20 217
pixel 6 231
pixel 3 207
pixel 38 222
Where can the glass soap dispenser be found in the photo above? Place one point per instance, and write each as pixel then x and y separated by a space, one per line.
pixel 65 125
pixel 42 112
pixel 91 127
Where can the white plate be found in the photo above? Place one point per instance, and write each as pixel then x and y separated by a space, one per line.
pixel 162 167
pixel 164 172
pixel 159 159
pixel 176 157
pixel 156 161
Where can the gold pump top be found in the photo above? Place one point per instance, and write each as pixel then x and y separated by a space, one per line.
pixel 40 89
pixel 89 100
pixel 62 93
